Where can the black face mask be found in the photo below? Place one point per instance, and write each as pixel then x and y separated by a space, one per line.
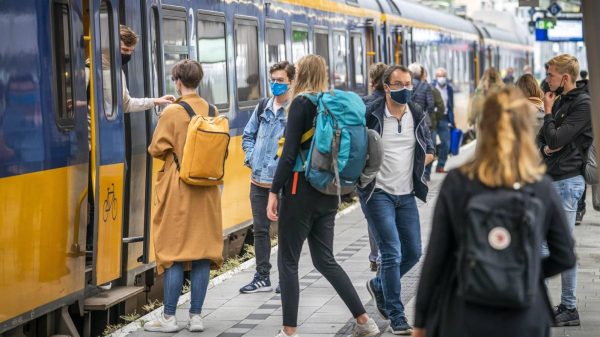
pixel 125 58
pixel 560 89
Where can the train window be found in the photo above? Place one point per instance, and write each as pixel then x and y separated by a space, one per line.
pixel 212 54
pixel 246 60
pixel 275 37
pixel 107 62
pixel 299 44
pixel 322 45
pixel 358 61
pixel 340 68
pixel 174 31
pixel 63 67
pixel 174 36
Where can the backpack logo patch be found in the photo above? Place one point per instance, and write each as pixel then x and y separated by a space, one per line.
pixel 499 238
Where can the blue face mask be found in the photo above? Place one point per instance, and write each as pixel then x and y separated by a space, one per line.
pixel 279 89
pixel 401 96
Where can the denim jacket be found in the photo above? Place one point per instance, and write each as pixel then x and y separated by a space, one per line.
pixel 374 115
pixel 260 142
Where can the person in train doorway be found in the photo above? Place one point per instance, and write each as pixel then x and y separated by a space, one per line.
pixel 260 144
pixel 129 40
pixel 563 142
pixel 376 71
pixel 186 221
pixel 510 76
pixel 390 199
pixel 423 96
pixel 306 213
pixel 444 118
pixel 488 187
pixel 583 78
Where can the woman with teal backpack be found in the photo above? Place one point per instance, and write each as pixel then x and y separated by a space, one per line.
pixel 306 213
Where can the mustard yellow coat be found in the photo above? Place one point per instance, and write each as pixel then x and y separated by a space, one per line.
pixel 186 219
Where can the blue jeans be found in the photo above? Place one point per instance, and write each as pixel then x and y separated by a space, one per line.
pixel 396 227
pixel 173 283
pixel 570 191
pixel 443 131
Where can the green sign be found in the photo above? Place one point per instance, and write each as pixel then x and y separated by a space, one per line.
pixel 545 23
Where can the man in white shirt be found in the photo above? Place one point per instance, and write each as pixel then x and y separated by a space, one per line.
pixel 390 200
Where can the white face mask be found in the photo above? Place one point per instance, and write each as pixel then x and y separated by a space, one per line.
pixel 441 80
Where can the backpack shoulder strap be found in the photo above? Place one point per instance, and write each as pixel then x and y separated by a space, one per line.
pixel 189 109
pixel 261 107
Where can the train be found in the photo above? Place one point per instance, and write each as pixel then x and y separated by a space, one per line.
pixel 55 249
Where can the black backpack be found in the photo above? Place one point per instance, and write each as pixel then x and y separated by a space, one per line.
pixel 499 258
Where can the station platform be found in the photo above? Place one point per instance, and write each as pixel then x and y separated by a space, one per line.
pixel 227 313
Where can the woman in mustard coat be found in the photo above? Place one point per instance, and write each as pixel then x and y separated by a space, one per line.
pixel 186 225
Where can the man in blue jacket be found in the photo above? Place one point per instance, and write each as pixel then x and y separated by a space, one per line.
pixel 260 143
pixel 389 201
pixel 445 118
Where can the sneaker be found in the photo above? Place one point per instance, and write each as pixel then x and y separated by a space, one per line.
pixel 373 266
pixel 565 317
pixel 283 334
pixel 105 286
pixel 196 323
pixel 401 327
pixel 278 289
pixel 440 170
pixel 368 329
pixel 377 298
pixel 259 284
pixel 579 217
pixel 162 324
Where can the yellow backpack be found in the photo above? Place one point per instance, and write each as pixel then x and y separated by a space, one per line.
pixel 205 149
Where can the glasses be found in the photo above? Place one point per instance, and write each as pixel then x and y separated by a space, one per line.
pixel 400 86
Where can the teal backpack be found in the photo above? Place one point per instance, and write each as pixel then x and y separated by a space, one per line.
pixel 338 152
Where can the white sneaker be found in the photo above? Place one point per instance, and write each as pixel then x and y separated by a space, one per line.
pixel 196 324
pixel 368 329
pixel 162 324
pixel 283 334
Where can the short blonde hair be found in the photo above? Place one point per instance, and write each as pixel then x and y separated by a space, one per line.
pixel 566 64
pixel 128 36
pixel 506 153
pixel 311 75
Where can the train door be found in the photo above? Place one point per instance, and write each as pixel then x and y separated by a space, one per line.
pixel 370 46
pixel 107 141
pixel 398 49
pixel 135 221
pixel 358 74
pixel 154 87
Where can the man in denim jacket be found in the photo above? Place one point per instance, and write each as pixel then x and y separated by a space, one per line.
pixel 260 143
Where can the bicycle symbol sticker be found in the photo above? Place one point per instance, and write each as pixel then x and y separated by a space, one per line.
pixel 110 204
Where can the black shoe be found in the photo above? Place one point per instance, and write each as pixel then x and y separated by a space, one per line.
pixel 278 289
pixel 579 217
pixel 378 299
pixel 401 327
pixel 565 317
pixel 373 266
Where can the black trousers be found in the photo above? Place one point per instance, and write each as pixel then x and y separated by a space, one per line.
pixel 309 215
pixel 259 197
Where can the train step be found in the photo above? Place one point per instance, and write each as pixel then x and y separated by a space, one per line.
pixel 106 299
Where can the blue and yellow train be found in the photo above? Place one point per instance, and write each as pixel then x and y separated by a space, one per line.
pixel 53 251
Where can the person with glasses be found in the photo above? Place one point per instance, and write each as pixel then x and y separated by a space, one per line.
pixel 260 143
pixel 390 200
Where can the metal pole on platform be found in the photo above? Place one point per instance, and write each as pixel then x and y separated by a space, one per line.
pixel 591 27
